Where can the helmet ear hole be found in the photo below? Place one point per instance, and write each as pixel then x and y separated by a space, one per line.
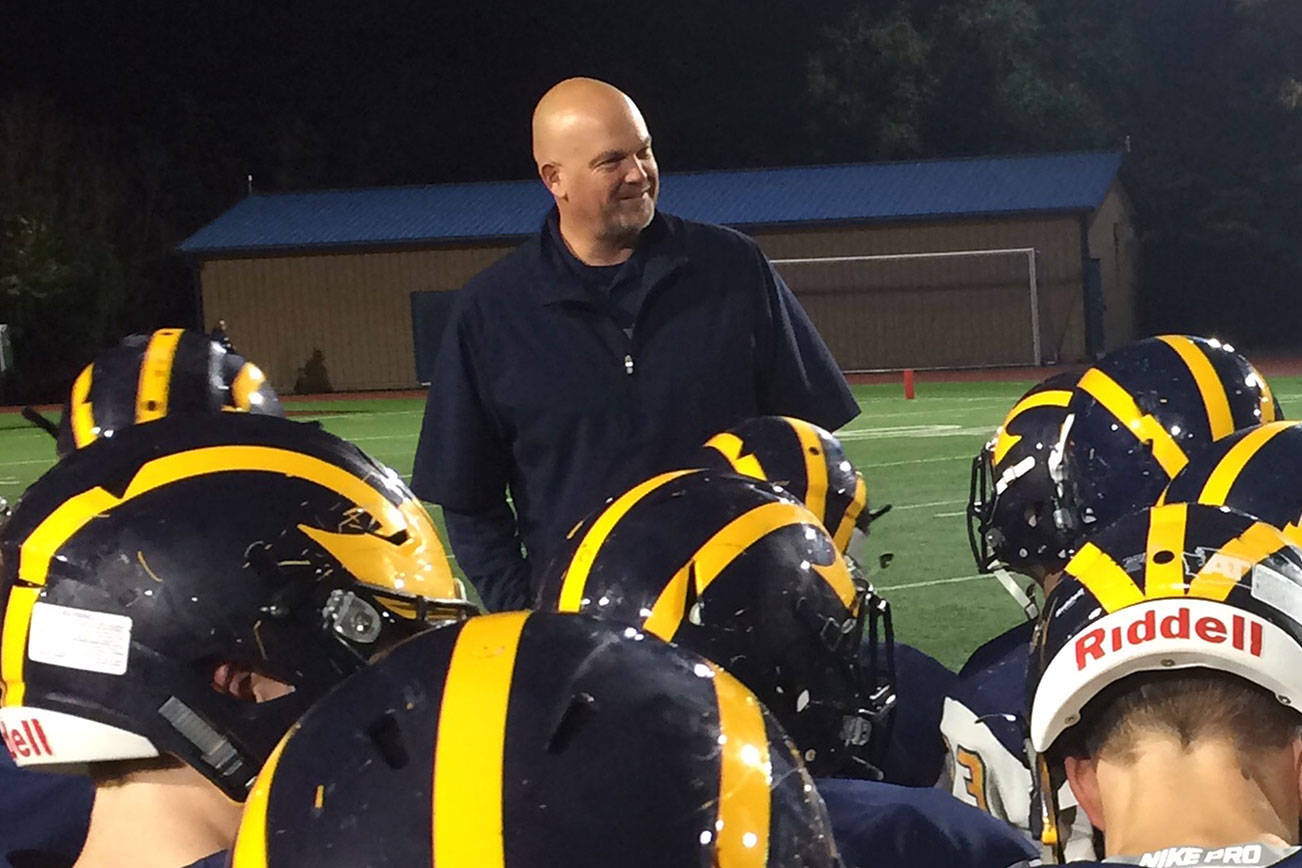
pixel 577 711
pixel 386 736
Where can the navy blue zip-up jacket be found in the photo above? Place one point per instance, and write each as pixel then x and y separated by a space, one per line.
pixel 538 389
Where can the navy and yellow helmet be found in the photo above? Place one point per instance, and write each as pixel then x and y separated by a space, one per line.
pixel 1012 494
pixel 167 372
pixel 531 739
pixel 1256 470
pixel 1178 586
pixel 141 564
pixel 742 573
pixel 806 460
pixel 1135 418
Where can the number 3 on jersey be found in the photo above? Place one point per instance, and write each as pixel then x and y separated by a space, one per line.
pixel 972 771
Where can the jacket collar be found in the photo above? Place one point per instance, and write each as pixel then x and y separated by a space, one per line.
pixel 556 281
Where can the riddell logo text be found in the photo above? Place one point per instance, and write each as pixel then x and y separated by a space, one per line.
pixel 1239 633
pixel 26 740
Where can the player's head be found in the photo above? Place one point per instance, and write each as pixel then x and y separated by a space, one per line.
pixel 1180 622
pixel 149 578
pixel 527 739
pixel 1011 498
pixel 1255 470
pixel 1136 417
pixel 807 461
pixel 168 372
pixel 742 573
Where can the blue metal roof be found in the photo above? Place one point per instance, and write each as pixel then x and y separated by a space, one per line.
pixel 856 193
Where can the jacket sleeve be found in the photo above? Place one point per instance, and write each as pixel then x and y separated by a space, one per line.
pixel 487 546
pixel 800 378
pixel 463 463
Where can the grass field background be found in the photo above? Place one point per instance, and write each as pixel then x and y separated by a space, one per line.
pixel 915 455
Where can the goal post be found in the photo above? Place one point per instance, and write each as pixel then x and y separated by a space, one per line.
pixel 951 308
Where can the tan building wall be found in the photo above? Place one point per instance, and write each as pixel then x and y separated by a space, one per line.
pixel 356 308
pixel 939 313
pixel 1112 240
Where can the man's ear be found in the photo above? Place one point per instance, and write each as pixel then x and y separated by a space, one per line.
pixel 1297 766
pixel 551 178
pixel 1083 778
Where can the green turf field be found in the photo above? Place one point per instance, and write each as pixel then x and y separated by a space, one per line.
pixel 915 454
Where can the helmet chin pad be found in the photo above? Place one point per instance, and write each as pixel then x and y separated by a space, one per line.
pixel 40 737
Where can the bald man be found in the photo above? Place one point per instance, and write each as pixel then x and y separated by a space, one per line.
pixel 602 351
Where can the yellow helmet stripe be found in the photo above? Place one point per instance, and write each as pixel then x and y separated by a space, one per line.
pixel 13 643
pixel 732 447
pixel 156 375
pixel 80 412
pixel 1227 470
pixel 1048 398
pixel 1232 561
pixel 745 777
pixel 468 756
pixel 251 842
pixel 1215 402
pixel 843 531
pixel 1104 578
pixel 1163 553
pixel 576 574
pixel 722 549
pixel 248 381
pixel 811 447
pixel 78 511
pixel 1144 427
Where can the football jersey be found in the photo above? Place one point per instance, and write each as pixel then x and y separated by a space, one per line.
pixel 1250 855
pixel 44 817
pixel 984 728
pixel 883 826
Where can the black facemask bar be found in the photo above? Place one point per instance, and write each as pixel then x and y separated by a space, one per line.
pixel 981 510
pixel 863 723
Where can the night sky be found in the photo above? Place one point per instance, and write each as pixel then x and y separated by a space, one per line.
pixel 347 94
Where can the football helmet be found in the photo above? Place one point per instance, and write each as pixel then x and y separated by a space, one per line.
pixel 140 564
pixel 1010 524
pixel 147 377
pixel 740 572
pixel 1176 586
pixel 528 739
pixel 1136 416
pixel 807 461
pixel 1253 470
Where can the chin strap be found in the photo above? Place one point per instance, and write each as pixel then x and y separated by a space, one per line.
pixel 1024 595
pixel 1053 833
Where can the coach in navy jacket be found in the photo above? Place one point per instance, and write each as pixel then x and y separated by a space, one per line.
pixel 604 350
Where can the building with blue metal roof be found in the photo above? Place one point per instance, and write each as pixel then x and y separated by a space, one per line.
pixel 1039 266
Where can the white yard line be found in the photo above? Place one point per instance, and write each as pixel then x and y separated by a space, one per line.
pixel 411 436
pixel 923 505
pixel 918 461
pixel 913 432
pixel 26 463
pixel 907 585
pixel 948 514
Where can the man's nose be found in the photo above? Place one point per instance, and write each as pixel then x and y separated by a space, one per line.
pixel 637 173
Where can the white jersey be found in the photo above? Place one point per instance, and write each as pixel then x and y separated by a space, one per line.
pixel 983 725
